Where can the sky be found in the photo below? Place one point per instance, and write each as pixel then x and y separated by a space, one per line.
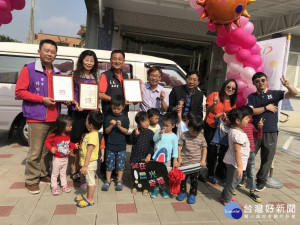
pixel 61 17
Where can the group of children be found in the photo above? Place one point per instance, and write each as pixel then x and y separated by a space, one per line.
pixel 152 142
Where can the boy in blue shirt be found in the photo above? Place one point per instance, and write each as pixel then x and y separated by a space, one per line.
pixel 116 126
pixel 166 148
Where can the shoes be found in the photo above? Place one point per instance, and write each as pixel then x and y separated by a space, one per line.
pixel 66 189
pixel 55 191
pixel 145 192
pixel 181 196
pixel 133 191
pixel 260 187
pixel 83 186
pixel 212 179
pixel 241 184
pixel 119 186
pixel 223 201
pixel 255 197
pixel 191 199
pixel 46 179
pixel 234 192
pixel 105 186
pixel 164 193
pixel 33 188
pixel 154 193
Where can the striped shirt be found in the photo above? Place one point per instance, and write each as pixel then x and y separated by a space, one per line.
pixel 191 152
pixel 251 133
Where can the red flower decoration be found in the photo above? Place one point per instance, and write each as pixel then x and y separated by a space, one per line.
pixel 175 178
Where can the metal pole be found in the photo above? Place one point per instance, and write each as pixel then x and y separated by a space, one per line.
pixel 31 25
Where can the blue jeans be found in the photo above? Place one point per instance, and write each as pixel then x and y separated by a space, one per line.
pixel 115 160
pixel 250 170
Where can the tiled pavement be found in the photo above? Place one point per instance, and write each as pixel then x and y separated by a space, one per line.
pixel 17 206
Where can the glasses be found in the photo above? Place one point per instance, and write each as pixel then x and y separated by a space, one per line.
pixel 155 76
pixel 191 79
pixel 261 80
pixel 232 88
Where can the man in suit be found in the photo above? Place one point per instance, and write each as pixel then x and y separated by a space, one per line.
pixel 191 95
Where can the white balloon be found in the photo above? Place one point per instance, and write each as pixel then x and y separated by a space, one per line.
pixel 235 67
pixel 246 74
pixel 229 58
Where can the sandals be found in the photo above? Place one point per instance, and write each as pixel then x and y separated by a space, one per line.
pixel 134 191
pixel 106 185
pixel 119 186
pixel 79 198
pixel 255 197
pixel 145 192
pixel 55 191
pixel 84 203
pixel 65 189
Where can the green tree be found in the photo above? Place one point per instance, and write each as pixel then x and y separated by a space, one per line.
pixel 82 33
pixel 4 38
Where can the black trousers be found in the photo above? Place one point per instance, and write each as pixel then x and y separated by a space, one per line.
pixel 194 183
pixel 212 152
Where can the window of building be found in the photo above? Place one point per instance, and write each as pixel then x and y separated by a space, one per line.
pixel 10 66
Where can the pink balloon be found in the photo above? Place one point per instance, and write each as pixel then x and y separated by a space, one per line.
pixel 240 100
pixel 231 48
pixel 248 41
pixel 236 35
pixel 243 21
pixel 249 90
pixel 230 75
pixel 254 61
pixel 247 73
pixel 235 67
pixel 221 42
pixel 223 32
pixel 194 4
pixel 249 28
pixel 18 4
pixel 229 58
pixel 5 18
pixel 242 55
pixel 199 11
pixel 241 83
pixel 233 26
pixel 5 6
pixel 260 69
pixel 255 50
pixel 211 26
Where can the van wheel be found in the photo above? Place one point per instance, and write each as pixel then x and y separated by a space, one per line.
pixel 22 132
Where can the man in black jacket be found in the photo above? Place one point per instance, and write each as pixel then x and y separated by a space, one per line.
pixel 191 95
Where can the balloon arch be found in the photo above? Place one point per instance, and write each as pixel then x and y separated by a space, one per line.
pixel 230 19
pixel 6 6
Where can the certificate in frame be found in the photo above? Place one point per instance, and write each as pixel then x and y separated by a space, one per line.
pixel 88 96
pixel 63 88
pixel 132 90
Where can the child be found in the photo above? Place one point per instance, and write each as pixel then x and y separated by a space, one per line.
pixel 142 143
pixel 166 148
pixel 192 149
pixel 116 127
pixel 59 144
pixel 153 115
pixel 88 157
pixel 221 139
pixel 236 157
pixel 250 170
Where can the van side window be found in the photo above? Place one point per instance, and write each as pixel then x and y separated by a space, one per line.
pixel 103 66
pixel 10 67
pixel 170 76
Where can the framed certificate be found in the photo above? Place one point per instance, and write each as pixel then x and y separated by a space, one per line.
pixel 88 96
pixel 63 88
pixel 132 90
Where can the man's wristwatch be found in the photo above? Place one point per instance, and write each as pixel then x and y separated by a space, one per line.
pixel 265 107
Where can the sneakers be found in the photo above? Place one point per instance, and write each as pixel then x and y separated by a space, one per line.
pixel 83 186
pixel 212 179
pixel 33 188
pixel 181 196
pixel 255 197
pixel 260 187
pixel 154 193
pixel 46 179
pixel 191 199
pixel 164 193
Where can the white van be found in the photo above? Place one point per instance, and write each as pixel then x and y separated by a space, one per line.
pixel 13 56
